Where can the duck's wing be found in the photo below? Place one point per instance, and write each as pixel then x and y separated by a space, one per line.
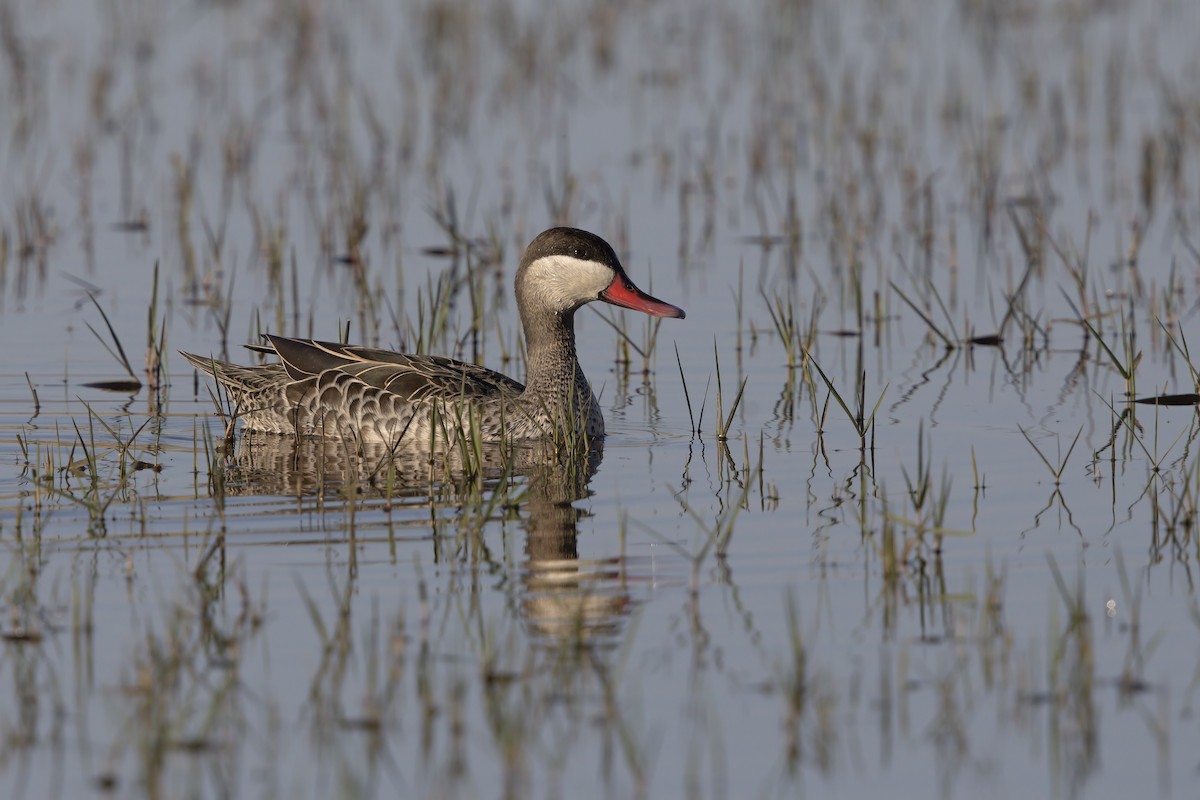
pixel 263 377
pixel 409 377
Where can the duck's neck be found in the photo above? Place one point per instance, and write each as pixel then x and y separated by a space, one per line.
pixel 553 376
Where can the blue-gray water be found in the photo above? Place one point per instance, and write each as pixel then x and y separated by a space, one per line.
pixel 941 612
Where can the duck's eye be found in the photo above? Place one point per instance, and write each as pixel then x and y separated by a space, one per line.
pixel 580 253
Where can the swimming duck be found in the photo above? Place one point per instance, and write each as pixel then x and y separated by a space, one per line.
pixel 328 389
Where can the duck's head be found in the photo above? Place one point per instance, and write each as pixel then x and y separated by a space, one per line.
pixel 565 268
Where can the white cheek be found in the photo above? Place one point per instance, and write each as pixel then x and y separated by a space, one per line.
pixel 562 282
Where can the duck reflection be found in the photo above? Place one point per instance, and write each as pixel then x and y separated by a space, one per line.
pixel 564 600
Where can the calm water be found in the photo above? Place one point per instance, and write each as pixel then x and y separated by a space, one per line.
pixel 990 593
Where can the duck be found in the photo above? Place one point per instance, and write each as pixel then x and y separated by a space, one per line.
pixel 327 389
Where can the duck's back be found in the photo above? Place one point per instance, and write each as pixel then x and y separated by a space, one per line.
pixel 329 389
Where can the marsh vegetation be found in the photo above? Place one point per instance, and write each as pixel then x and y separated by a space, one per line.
pixel 907 504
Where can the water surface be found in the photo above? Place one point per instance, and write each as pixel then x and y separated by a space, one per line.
pixel 983 586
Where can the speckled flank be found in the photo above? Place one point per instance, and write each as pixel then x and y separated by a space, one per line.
pixel 328 389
